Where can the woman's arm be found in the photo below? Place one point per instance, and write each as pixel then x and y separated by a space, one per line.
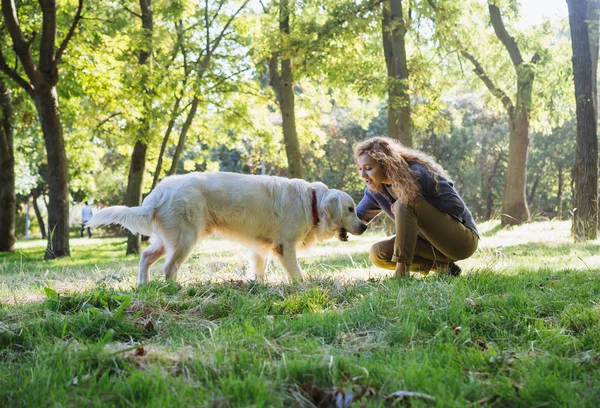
pixel 367 209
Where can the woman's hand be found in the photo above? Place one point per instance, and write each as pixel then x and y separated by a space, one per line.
pixel 393 208
pixel 401 270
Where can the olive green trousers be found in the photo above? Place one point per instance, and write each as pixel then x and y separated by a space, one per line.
pixel 443 239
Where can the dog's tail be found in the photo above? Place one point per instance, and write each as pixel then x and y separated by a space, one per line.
pixel 135 219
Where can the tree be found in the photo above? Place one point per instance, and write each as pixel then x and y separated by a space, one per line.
pixel 40 85
pixel 201 68
pixel 399 110
pixel 585 218
pixel 514 205
pixel 137 167
pixel 283 85
pixel 8 199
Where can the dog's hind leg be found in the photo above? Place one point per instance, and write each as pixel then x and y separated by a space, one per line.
pixel 149 256
pixel 179 253
pixel 286 254
pixel 258 266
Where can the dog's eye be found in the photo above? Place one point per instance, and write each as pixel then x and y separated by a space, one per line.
pixel 351 209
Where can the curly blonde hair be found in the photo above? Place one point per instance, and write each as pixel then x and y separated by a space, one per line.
pixel 395 159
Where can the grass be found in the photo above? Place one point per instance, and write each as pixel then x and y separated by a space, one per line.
pixel 520 327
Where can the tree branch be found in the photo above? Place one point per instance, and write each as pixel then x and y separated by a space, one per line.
pixel 132 12
pixel 265 9
pixel 207 24
pixel 202 66
pixel 221 2
pixel 222 34
pixel 20 45
pixel 13 74
pixel 112 115
pixel 508 41
pixel 66 40
pixel 223 80
pixel 497 92
pixel 337 24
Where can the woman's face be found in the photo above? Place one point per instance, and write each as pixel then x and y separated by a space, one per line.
pixel 371 172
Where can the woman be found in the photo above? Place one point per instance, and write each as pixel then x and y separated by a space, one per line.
pixel 434 227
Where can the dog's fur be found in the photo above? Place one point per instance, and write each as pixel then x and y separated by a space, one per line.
pixel 270 215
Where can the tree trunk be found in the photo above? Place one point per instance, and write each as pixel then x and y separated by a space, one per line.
pixel 486 193
pixel 559 193
pixel 585 217
pixel 134 190
pixel 290 136
pixel 401 81
pixel 8 199
pixel 137 167
pixel 593 23
pixel 58 204
pixel 489 183
pixel 284 87
pixel 183 135
pixel 38 214
pixel 534 188
pixel 386 32
pixel 514 205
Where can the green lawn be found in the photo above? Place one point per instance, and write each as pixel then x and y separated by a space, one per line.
pixel 520 327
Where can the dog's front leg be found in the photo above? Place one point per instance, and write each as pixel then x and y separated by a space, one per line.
pixel 258 266
pixel 287 257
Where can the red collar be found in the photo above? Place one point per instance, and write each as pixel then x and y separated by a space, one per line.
pixel 315 210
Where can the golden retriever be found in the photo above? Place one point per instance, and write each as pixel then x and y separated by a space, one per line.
pixel 270 215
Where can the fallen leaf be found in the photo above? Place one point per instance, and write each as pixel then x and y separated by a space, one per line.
pixel 149 325
pixel 480 341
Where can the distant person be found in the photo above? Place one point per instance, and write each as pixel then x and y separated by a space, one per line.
pixel 434 227
pixel 86 215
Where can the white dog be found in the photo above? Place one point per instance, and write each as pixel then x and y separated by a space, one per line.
pixel 270 215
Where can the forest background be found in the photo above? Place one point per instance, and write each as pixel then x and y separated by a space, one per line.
pixel 102 100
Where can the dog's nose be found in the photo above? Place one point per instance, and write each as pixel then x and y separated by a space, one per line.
pixel 361 228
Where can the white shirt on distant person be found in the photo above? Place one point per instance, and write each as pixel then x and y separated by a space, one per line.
pixel 86 213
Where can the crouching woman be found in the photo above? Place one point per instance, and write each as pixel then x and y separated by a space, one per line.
pixel 434 227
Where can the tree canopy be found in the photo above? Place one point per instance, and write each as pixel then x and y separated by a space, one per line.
pixel 152 88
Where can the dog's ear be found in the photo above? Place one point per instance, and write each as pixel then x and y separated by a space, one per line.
pixel 332 206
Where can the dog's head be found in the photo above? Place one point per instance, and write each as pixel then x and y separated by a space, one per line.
pixel 339 214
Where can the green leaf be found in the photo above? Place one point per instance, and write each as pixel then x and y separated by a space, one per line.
pixel 51 294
